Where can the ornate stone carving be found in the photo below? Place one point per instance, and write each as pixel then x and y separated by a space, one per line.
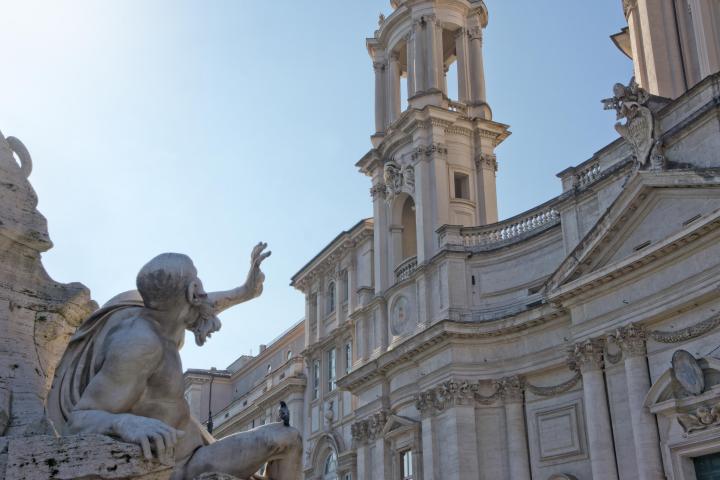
pixel 475 33
pixel 429 150
pixel 379 66
pixel 587 355
pixel 629 6
pixel 631 339
pixel 630 103
pixel 381 20
pixel 369 429
pixel 702 419
pixel 378 191
pixel 484 160
pixel 685 334
pixel 398 180
pixel 512 389
pixel 553 390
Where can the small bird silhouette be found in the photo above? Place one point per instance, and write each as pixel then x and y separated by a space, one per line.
pixel 284 414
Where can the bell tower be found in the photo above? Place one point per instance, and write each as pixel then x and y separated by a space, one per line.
pixel 433 159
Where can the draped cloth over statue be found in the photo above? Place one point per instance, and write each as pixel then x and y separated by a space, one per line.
pixel 81 362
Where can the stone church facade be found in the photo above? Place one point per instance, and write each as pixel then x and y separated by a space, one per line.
pixel 577 340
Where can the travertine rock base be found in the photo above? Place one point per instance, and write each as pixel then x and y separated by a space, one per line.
pixel 90 457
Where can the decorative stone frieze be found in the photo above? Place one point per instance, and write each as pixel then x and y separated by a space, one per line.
pixel 587 355
pixel 369 429
pixel 429 150
pixel 685 334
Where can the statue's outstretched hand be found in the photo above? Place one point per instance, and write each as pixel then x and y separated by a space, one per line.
pixel 255 276
pixel 147 432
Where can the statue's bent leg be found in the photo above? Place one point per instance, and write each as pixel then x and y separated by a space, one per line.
pixel 245 453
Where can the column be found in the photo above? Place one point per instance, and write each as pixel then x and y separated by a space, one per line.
pixel 362 463
pixel 411 68
pixel 461 52
pixel 380 96
pixel 428 447
pixel 338 297
pixel 460 452
pixel 395 249
pixel 384 326
pixel 512 395
pixel 393 88
pixel 477 66
pixel 486 188
pixel 308 319
pixel 352 285
pixel 706 24
pixel 433 62
pixel 588 357
pixel 380 460
pixel 645 434
pixel 418 57
pixel 380 236
pixel 320 311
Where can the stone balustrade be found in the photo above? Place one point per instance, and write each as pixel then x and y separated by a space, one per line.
pixel 457 107
pixel 509 230
pixel 587 175
pixel 406 269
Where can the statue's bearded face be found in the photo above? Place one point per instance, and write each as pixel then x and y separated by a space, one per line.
pixel 201 320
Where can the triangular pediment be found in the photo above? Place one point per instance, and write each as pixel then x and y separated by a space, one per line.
pixel 652 210
pixel 397 423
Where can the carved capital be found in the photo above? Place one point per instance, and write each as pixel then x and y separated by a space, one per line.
pixel 586 356
pixel 378 191
pixel 475 33
pixel 446 395
pixel 629 6
pixel 379 66
pixel 429 151
pixel 369 429
pixel 488 161
pixel 460 32
pixel 512 389
pixel 631 340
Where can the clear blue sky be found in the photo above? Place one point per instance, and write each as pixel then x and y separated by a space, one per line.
pixel 205 126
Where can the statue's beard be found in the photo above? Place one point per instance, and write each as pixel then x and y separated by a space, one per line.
pixel 206 324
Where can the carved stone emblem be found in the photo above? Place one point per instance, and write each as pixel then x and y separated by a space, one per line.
pixel 398 180
pixel 703 418
pixel 687 372
pixel 630 103
pixel 401 316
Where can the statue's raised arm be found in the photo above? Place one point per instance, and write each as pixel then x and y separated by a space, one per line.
pixel 252 288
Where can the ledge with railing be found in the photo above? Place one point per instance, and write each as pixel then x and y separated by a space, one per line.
pixel 406 268
pixel 502 233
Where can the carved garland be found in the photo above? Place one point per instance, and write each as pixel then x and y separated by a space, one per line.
pixel 686 334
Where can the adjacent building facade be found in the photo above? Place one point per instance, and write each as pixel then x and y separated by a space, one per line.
pixel 577 340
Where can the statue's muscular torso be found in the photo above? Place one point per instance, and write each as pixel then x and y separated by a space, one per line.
pixel 162 396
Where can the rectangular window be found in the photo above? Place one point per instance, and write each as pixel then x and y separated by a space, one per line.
pixel 331 370
pixel 348 357
pixel 316 379
pixel 462 186
pixel 406 465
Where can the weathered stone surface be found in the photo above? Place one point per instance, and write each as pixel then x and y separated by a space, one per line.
pixel 90 457
pixel 216 476
pixel 37 314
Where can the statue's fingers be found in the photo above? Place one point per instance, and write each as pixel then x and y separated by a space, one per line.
pixel 145 445
pixel 167 437
pixel 159 444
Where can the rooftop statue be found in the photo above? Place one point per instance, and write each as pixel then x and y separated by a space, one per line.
pixel 122 376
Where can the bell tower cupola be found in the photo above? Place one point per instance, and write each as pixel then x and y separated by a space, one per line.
pixel 433 155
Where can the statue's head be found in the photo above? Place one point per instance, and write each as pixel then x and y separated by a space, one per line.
pixel 21 221
pixel 170 282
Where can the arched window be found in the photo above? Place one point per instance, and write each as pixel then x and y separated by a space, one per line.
pixel 331 297
pixel 330 469
pixel 409 231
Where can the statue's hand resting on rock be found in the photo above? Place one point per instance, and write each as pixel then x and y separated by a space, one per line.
pixel 122 376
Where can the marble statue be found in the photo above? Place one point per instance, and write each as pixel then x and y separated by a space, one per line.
pixel 122 376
